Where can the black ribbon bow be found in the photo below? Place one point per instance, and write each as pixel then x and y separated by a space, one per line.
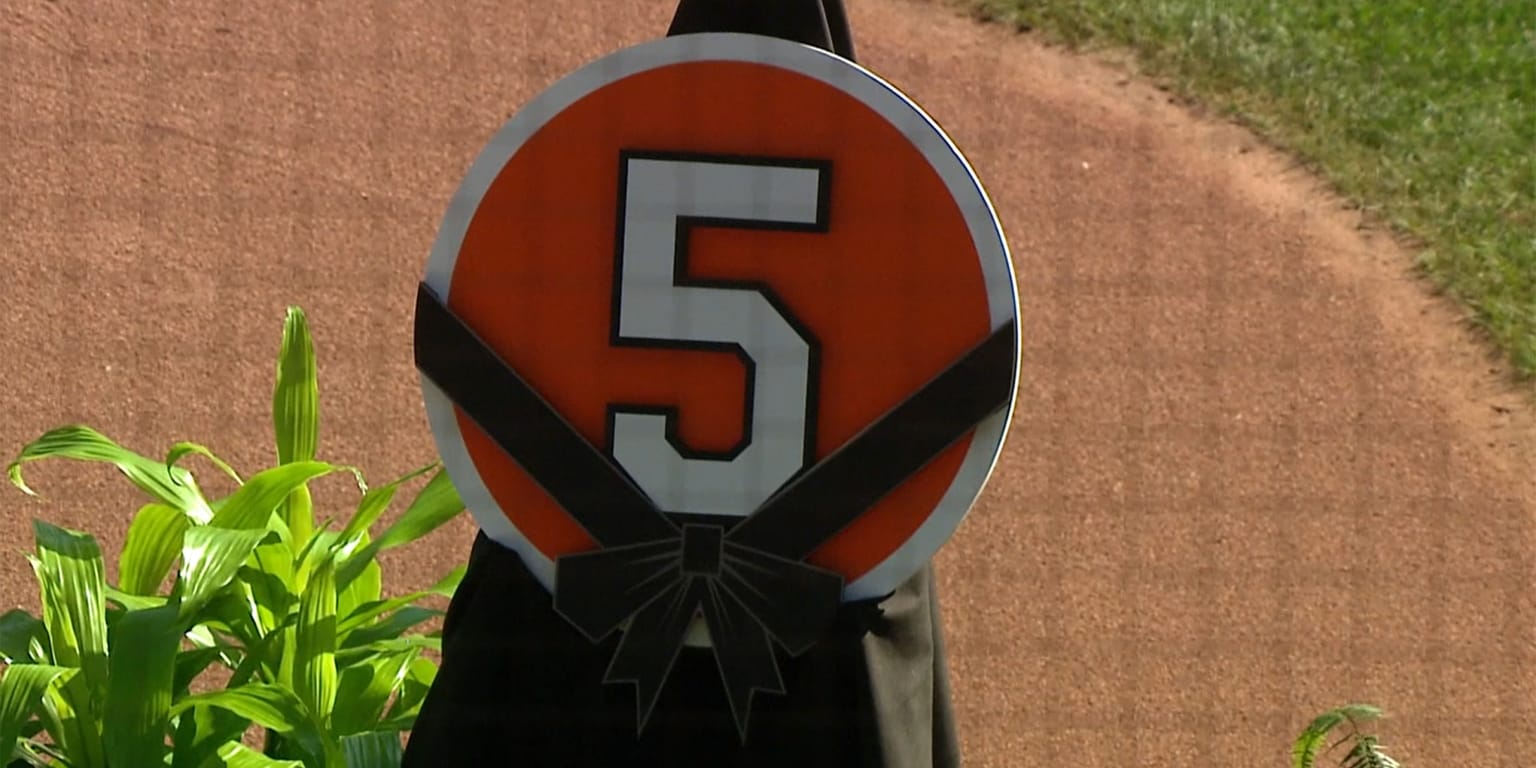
pixel 745 594
pixel 748 580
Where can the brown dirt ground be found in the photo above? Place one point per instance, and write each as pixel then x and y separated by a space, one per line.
pixel 1255 472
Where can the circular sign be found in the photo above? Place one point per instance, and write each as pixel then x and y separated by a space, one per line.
pixel 720 258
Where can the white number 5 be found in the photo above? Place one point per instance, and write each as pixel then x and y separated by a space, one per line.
pixel 662 196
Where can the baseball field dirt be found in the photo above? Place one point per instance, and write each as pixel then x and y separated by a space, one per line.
pixel 1256 469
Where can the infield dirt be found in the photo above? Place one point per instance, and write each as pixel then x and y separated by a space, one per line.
pixel 1255 472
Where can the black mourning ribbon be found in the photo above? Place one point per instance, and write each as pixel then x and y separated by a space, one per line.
pixel 750 581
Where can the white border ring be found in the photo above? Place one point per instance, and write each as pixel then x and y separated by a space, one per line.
pixel 853 80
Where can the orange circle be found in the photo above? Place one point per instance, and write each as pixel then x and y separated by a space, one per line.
pixel 893 291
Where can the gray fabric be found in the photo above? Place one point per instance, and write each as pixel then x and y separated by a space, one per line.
pixel 909 678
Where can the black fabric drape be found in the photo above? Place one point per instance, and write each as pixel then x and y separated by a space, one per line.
pixel 822 23
pixel 519 686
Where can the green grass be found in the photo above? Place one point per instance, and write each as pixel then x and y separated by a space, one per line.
pixel 1421 111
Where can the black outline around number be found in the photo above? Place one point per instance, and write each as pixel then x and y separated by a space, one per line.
pixel 680 278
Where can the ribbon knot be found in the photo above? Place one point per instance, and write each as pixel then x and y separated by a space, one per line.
pixel 746 596
pixel 703 547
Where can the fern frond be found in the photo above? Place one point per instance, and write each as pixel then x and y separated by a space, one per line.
pixel 1360 713
pixel 1367 754
pixel 1309 744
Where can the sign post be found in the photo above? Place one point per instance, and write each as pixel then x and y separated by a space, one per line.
pixel 719 335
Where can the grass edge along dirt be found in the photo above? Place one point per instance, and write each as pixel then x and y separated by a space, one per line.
pixel 314 655
pixel 1422 114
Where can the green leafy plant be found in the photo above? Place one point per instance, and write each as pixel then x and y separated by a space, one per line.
pixel 241 632
pixel 1365 752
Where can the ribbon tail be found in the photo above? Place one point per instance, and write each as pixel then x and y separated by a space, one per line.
pixel 743 652
pixel 650 646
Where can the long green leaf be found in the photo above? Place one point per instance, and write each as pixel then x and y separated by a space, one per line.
pixel 367 588
pixel 258 658
pixel 271 596
pixel 367 612
pixel 32 754
pixel 69 713
pixel 190 664
pixel 371 507
pixel 317 550
pixel 269 706
pixel 296 415
pixel 210 557
pixel 315 638
pixel 413 691
pixel 1306 747
pixel 236 755
pixel 298 513
pixel 74 585
pixel 432 642
pixel 295 397
pixel 390 628
pixel 229 613
pixel 202 636
pixel 55 623
pixel 133 602
pixel 373 749
pixel 278 590
pixel 69 571
pixel 171 486
pixel 152 544
pixel 138 701
pixel 368 511
pixel 22 688
pixel 227 626
pixel 184 449
pixel 21 637
pixel 364 690
pixel 253 504
pixel 202 732
pixel 313 553
pixel 436 504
